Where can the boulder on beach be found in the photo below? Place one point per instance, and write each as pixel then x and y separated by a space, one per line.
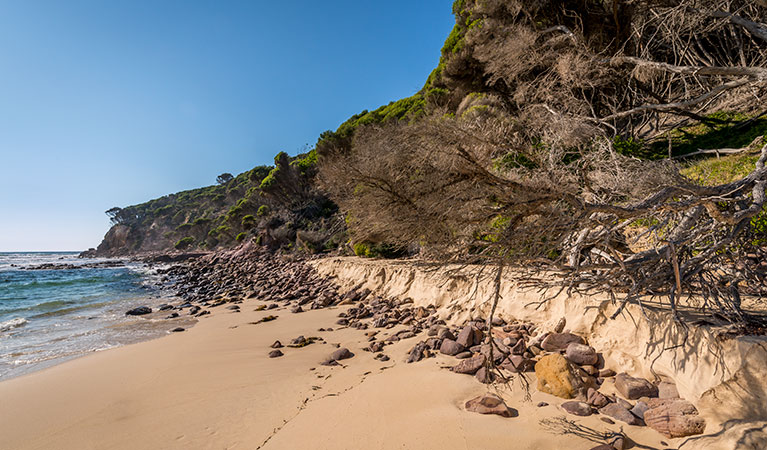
pixel 581 354
pixel 488 404
pixel 674 418
pixel 618 412
pixel 470 366
pixel 338 355
pixel 633 388
pixel 558 377
pixel 577 408
pixel 555 342
pixel 140 311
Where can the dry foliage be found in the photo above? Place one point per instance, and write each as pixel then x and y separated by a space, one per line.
pixel 536 180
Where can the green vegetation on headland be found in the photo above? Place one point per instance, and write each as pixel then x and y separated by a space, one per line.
pixel 509 76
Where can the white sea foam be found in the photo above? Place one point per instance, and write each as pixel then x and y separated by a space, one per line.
pixel 13 323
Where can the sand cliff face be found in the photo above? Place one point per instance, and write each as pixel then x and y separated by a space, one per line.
pixel 725 377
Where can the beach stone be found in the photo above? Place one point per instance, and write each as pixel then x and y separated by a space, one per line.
pixel 633 388
pixel 558 377
pixel 675 419
pixel 607 420
pixel 542 404
pixel 464 355
pixel 603 447
pixel 451 347
pixel 469 336
pixel 581 354
pixel 340 354
pixel 488 404
pixel 560 327
pixel 596 398
pixel 518 364
pixel 577 408
pixel 667 390
pixel 471 365
pixel 519 348
pixel 618 412
pixel 172 315
pixel 164 307
pixel 555 342
pixel 277 344
pixel 639 409
pixel 178 330
pixel 140 311
pixel 606 373
pixel 484 376
pixel 275 354
pixel 419 352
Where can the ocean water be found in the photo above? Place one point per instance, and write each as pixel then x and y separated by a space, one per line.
pixel 49 316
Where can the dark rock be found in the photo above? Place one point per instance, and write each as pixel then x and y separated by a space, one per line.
pixel 469 336
pixel 140 311
pixel 618 412
pixel 275 354
pixel 463 355
pixel 471 365
pixel 633 388
pixel 277 344
pixel 177 330
pixel 340 354
pixel 488 404
pixel 542 404
pixel 555 342
pixel 202 313
pixel 596 398
pixel 484 376
pixel 607 420
pixel 419 352
pixel 639 409
pixel 165 307
pixel 577 408
pixel 603 447
pixel 172 315
pixel 581 354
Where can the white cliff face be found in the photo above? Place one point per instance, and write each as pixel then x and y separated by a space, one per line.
pixel 725 377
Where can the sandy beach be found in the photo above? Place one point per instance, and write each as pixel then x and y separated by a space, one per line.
pixel 214 387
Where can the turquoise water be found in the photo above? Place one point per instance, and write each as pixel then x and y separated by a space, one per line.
pixel 48 316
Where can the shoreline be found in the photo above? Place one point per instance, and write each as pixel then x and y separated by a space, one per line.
pixel 217 385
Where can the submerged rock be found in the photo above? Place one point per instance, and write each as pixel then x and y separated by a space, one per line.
pixel 140 311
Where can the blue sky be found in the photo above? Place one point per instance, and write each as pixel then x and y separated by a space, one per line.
pixel 112 103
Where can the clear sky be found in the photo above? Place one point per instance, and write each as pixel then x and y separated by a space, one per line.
pixel 112 103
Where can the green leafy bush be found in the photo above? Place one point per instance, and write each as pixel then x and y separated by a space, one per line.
pixel 184 243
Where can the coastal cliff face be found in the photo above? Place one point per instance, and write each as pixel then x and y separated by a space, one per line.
pixel 726 377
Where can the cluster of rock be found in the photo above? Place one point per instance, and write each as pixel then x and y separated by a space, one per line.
pixel 565 366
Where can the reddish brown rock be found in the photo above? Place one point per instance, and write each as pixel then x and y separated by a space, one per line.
pixel 675 419
pixel 581 354
pixel 484 376
pixel 618 412
pixel 633 388
pixel 451 347
pixel 555 342
pixel 471 365
pixel 275 354
pixel 469 336
pixel 596 398
pixel 577 408
pixel 488 404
